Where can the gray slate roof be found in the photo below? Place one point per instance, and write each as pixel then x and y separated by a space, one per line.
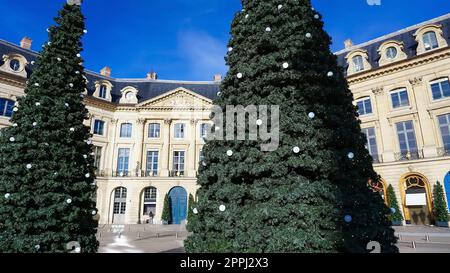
pixel 148 89
pixel 406 36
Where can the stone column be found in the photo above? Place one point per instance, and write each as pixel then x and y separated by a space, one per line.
pixel 192 154
pixel 423 121
pixel 165 154
pixel 139 145
pixel 109 153
pixel 384 129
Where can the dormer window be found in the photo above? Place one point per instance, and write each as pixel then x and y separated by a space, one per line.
pixel 430 40
pixel 14 64
pixel 391 53
pixel 358 63
pixel 102 92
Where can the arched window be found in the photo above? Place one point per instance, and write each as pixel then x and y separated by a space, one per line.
pixel 126 129
pixel 430 40
pixel 358 63
pixel 6 107
pixel 102 92
pixel 120 201
pixel 150 195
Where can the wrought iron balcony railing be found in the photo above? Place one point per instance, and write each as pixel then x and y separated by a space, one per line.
pixel 150 173
pixel 176 173
pixel 443 151
pixel 409 155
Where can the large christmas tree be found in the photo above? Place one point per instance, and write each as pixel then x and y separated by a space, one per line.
pixel 46 166
pixel 311 194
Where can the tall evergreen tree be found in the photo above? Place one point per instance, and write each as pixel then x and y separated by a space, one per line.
pixel 439 205
pixel 396 214
pixel 311 194
pixel 46 166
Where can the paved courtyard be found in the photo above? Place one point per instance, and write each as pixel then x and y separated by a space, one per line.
pixel 169 239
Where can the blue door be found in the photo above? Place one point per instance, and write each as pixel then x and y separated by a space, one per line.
pixel 447 188
pixel 178 204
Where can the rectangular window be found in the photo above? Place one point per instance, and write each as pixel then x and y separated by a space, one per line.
pixel 123 161
pixel 178 162
pixel 440 89
pixel 203 130
pixel 406 137
pixel 97 157
pixel 152 163
pixel 364 106
pixel 400 98
pixel 99 126
pixel 6 107
pixel 126 129
pixel 179 130
pixel 154 130
pixel 444 125
pixel 358 63
pixel 371 144
pixel 430 40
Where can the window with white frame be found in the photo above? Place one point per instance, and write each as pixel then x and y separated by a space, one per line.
pixel 99 127
pixel 126 130
pixel 203 130
pixel 406 137
pixel 102 92
pixel 180 130
pixel 371 144
pixel 6 107
pixel 444 125
pixel 152 163
pixel 150 195
pixel 154 130
pixel 97 157
pixel 120 200
pixel 399 98
pixel 178 162
pixel 123 161
pixel 364 106
pixel 440 88
pixel 430 40
pixel 358 63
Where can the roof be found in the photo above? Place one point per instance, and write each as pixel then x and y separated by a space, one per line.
pixel 148 89
pixel 405 35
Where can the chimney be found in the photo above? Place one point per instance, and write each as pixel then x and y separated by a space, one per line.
pixel 348 43
pixel 26 43
pixel 217 78
pixel 106 71
pixel 152 76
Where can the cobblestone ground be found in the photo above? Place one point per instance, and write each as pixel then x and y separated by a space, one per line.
pixel 169 239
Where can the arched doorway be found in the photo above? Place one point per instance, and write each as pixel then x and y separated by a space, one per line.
pixel 178 204
pixel 416 199
pixel 148 204
pixel 447 189
pixel 120 205
pixel 380 187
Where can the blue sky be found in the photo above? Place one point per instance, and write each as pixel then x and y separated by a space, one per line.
pixel 186 39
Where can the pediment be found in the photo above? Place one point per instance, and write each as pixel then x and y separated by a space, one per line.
pixel 180 98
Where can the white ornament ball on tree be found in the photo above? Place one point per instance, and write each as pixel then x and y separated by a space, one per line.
pixel 222 208
pixel 317 16
pixel 246 16
pixel 66 104
pixel 195 211
pixel 87 175
pixel 29 166
pixel 296 150
pixel 38 104
pixel 348 218
pixel 72 129
pixel 36 84
pixel 285 65
pixel 280 6
pixel 37 247
pixel 85 156
pixel 69 201
pixel 268 29
pixel 7 195
pixel 15 125
pixel 351 155
pixel 230 49
pixel 239 75
pixel 330 74
pixel 229 152
pixel 259 122
pixel 15 109
pixel 311 115
pixel 35 124
pixel 85 31
pixel 78 55
pixel 71 85
pixel 12 139
pixel 308 35
pixel 59 59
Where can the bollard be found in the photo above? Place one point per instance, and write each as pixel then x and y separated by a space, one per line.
pixel 100 235
pixel 427 237
pixel 413 245
pixel 400 238
pixel 176 235
pixel 157 235
pixel 120 234
pixel 139 235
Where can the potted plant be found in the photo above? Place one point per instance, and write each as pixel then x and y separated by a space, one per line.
pixel 396 216
pixel 440 206
pixel 166 217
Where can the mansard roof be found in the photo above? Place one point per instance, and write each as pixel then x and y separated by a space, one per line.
pixel 406 36
pixel 148 89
